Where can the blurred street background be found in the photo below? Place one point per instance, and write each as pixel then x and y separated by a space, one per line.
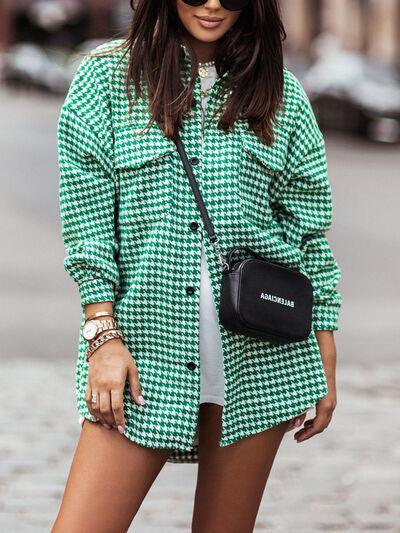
pixel 347 54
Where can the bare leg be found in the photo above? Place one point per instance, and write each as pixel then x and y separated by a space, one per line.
pixel 108 480
pixel 231 479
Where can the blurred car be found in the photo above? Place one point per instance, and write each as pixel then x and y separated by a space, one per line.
pixel 44 68
pixel 350 92
pixel 29 65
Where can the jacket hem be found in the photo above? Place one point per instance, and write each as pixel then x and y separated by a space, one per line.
pixel 289 414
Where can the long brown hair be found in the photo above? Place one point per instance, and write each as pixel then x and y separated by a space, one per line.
pixel 250 52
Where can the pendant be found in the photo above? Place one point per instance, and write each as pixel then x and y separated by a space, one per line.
pixel 203 71
pixel 203 68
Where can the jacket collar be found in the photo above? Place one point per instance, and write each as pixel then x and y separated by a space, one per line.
pixel 186 64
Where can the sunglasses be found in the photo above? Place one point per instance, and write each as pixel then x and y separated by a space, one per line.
pixel 230 5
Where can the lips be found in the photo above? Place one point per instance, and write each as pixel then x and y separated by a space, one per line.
pixel 209 22
pixel 210 19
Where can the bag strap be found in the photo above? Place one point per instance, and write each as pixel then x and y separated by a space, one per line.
pixel 209 227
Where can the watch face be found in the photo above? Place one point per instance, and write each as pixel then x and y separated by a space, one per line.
pixel 89 330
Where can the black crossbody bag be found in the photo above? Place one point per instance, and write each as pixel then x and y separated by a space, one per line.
pixel 259 298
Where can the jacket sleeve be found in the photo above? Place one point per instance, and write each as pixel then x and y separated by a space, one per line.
pixel 87 189
pixel 302 200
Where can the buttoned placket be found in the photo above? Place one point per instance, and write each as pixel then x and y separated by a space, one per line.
pixel 196 225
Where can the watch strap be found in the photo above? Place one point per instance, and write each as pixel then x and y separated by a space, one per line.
pixel 105 324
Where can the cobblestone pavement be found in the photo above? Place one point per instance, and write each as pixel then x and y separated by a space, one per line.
pixel 345 479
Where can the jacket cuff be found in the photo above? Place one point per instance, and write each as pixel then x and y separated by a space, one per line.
pixel 96 290
pixel 325 317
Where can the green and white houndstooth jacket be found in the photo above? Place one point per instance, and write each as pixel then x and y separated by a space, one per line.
pixel 127 210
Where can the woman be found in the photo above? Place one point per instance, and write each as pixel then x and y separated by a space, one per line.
pixel 177 386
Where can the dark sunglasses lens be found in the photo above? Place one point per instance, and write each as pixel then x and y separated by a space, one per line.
pixel 230 5
pixel 195 3
pixel 234 5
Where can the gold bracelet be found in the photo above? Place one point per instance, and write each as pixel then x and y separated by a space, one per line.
pixel 103 338
pixel 98 314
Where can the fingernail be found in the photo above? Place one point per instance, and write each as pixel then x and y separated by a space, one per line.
pixel 120 429
pixel 141 400
pixel 107 426
pixel 297 422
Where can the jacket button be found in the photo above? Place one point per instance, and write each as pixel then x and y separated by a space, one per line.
pixel 193 226
pixel 189 290
pixel 191 365
pixel 194 160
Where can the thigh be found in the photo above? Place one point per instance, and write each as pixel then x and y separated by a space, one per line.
pixel 109 477
pixel 231 479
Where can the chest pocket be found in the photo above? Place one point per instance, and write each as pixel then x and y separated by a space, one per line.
pixel 144 166
pixel 259 167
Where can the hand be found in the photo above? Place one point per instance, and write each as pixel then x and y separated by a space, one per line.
pixel 327 404
pixel 109 366
pixel 324 411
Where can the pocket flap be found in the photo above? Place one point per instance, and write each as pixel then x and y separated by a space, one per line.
pixel 133 149
pixel 272 157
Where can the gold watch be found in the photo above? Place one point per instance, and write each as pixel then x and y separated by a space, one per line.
pixel 92 328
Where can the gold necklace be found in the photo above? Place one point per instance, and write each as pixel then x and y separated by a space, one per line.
pixel 203 68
